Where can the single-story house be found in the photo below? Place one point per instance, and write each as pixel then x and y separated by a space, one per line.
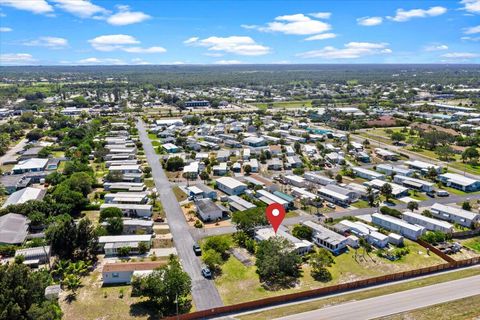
pixel 34 256
pixel 110 244
pixel 13 228
pixel 363 230
pixel 30 165
pixel 367 174
pixel 326 238
pixel 301 246
pixel 122 272
pixel 400 226
pixel 455 215
pixel 24 195
pixel 131 210
pixel 231 186
pixel 427 222
pixel 208 210
pixel 460 182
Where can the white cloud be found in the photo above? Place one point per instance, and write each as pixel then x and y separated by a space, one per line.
pixel 369 21
pixel 470 38
pixel 472 6
pixel 240 45
pixel 352 50
pixel 322 36
pixel 49 42
pixel 81 8
pixel 139 61
pixel 122 42
pixel 472 30
pixel 213 54
pixel 405 15
pixel 112 42
pixel 6 29
pixel 436 47
pixel 321 15
pixel 228 62
pixel 191 40
pixel 96 61
pixel 144 50
pixel 36 6
pixel 295 24
pixel 461 55
pixel 126 17
pixel 16 58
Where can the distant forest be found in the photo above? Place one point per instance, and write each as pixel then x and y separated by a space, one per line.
pixel 254 75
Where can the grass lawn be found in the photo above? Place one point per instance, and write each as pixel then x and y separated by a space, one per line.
pixel 96 302
pixel 284 104
pixel 58 154
pixel 473 243
pixel 361 204
pixel 292 214
pixel 179 194
pixel 466 167
pixel 462 309
pixel 239 283
pixel 153 136
pixel 418 196
pixel 454 191
pixel 149 183
pixel 370 293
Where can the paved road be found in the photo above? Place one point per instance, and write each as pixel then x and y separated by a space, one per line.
pixel 396 302
pixel 11 155
pixel 204 292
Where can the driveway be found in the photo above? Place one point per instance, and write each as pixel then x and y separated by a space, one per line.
pixel 11 155
pixel 205 294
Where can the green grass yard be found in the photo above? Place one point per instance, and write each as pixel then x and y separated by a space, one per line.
pixel 179 194
pixel 473 243
pixel 284 104
pixel 239 283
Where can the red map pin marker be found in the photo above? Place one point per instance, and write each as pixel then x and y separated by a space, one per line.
pixel 275 214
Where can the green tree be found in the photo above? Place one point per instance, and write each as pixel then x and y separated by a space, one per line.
pixel 320 261
pixel 471 154
pixel 412 205
pixel 114 226
pixel 247 169
pixel 302 232
pixel 466 206
pixel 371 196
pixel 111 212
pixel 397 137
pixel 277 262
pixel 212 259
pixel 167 287
pixel 248 220
pixel 218 244
pixel 174 163
pixel 386 190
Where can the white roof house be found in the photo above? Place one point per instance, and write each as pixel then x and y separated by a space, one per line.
pixel 370 233
pixel 270 198
pixel 397 190
pixel 400 226
pixel 367 174
pixel 422 165
pixel 30 165
pixel 327 238
pixel 231 186
pixel 301 246
pixel 428 223
pixel 458 181
pixel 455 215
pixel 24 195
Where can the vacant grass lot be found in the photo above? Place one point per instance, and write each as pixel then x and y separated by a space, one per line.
pixel 179 194
pixel 473 243
pixel 284 104
pixel 365 294
pixel 463 309
pixel 239 283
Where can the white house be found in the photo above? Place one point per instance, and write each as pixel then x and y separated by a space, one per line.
pixel 300 246
pixel 120 272
pixel 455 215
pixel 231 186
pixel 428 223
pixel 326 238
pixel 400 226
pixel 367 174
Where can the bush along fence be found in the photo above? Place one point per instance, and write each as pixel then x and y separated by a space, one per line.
pixel 315 293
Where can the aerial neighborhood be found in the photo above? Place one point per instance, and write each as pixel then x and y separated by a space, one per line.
pixel 117 195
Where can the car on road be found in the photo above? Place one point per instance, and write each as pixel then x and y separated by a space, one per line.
pixel 331 205
pixel 442 193
pixel 197 249
pixel 206 272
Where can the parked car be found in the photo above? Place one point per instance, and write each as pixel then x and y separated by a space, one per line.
pixel 197 249
pixel 431 194
pixel 331 205
pixel 206 272
pixel 442 193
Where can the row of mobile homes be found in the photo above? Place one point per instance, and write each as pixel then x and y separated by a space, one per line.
pixel 400 226
pixel 455 215
pixel 427 223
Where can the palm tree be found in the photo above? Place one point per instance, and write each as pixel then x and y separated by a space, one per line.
pixel 72 282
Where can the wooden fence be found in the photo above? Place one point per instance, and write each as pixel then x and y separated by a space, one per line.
pixel 315 293
pixel 437 251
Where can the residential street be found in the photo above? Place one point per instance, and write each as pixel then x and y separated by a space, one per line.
pixel 397 302
pixel 204 292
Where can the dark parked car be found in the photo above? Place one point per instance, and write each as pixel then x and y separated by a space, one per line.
pixel 197 249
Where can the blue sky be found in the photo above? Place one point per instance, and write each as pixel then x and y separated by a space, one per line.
pixel 82 32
